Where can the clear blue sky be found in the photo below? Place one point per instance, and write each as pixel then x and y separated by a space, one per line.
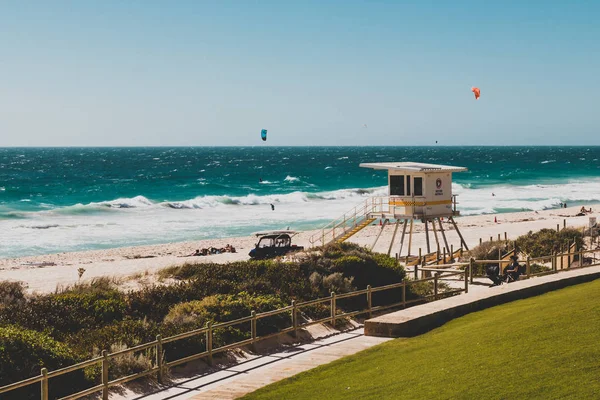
pixel 109 73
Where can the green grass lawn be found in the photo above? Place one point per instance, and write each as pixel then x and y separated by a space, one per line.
pixel 545 347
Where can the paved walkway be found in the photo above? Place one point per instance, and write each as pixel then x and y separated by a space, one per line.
pixel 422 318
pixel 248 376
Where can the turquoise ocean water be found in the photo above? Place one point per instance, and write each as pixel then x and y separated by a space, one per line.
pixel 66 199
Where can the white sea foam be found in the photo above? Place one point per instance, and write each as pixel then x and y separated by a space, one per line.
pixel 291 179
pixel 139 220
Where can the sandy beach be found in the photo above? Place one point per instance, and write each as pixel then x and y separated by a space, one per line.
pixel 133 265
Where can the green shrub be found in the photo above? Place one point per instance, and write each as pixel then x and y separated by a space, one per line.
pixel 223 308
pixel 490 250
pixel 123 364
pixel 154 302
pixel 128 332
pixel 11 293
pixel 24 352
pixel 535 268
pixel 69 312
pixel 548 241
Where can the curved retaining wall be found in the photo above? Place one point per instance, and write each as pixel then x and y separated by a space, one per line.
pixel 420 319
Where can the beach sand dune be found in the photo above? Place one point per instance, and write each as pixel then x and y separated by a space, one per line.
pixel 44 273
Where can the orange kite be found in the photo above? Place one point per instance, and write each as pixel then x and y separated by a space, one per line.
pixel 476 91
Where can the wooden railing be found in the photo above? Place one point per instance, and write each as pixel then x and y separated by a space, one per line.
pixel 555 260
pixel 160 367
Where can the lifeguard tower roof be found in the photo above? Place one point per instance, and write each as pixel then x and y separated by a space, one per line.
pixel 413 166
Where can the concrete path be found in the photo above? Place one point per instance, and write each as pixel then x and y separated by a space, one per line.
pixel 423 318
pixel 248 376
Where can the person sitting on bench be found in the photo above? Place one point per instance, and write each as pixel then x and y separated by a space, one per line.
pixel 512 271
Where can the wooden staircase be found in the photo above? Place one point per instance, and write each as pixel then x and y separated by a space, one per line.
pixel 355 230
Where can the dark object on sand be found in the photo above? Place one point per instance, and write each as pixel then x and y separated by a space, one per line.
pixel 273 244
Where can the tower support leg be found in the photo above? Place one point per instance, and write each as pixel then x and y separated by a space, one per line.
pixel 427 236
pixel 462 240
pixel 410 238
pixel 444 237
pixel 393 238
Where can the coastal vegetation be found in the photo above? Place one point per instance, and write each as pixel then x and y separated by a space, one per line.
pixel 78 322
pixel 542 243
pixel 543 347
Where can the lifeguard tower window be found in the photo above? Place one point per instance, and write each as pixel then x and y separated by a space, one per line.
pixel 418 186
pixel 408 185
pixel 397 185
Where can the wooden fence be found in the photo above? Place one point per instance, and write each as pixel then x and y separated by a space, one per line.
pixel 160 367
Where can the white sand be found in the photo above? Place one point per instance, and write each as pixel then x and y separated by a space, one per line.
pixel 121 262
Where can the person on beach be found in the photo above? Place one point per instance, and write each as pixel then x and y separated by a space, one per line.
pixel 272 207
pixel 514 269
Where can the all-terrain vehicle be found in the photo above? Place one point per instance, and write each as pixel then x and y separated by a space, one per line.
pixel 273 244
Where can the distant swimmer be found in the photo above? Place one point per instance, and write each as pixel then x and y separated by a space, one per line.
pixel 260 180
pixel 493 194
pixel 272 207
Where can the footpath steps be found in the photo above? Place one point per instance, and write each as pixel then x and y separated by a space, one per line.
pixel 420 319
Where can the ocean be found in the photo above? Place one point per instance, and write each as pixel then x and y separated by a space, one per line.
pixel 70 199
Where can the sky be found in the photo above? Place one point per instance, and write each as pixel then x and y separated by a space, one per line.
pixel 199 73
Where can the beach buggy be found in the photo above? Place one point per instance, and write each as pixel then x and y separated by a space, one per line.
pixel 273 244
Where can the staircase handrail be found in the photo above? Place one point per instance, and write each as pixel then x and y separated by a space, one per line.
pixel 359 211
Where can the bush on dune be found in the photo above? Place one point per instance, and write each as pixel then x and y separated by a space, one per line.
pixel 548 241
pixel 63 313
pixel 24 352
pixel 11 294
pixel 128 332
pixel 223 308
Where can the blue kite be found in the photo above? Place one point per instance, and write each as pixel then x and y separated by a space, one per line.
pixel 263 135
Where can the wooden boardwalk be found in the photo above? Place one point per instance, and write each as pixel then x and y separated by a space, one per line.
pixel 245 377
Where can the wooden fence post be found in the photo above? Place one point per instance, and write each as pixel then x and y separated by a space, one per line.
pixel 369 300
pixel 471 264
pixel 557 227
pixel 480 241
pixel 404 293
pixel 333 309
pixel 104 375
pixel 491 238
pixel 562 259
pixel 416 271
pixel 253 325
pixel 466 279
pixel 498 237
pixel 44 384
pixel 159 358
pixel 295 318
pixel 209 342
pixel 505 236
pixel 528 268
pixel 564 223
pixel 435 285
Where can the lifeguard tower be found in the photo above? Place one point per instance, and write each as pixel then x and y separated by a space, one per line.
pixel 416 191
